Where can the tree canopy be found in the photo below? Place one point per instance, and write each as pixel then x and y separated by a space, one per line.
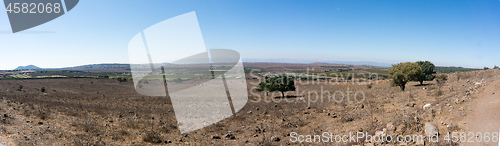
pixel 427 71
pixel 281 83
pixel 402 73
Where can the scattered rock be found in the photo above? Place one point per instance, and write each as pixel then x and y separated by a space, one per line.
pixel 460 108
pixel 401 129
pixel 419 142
pixel 381 133
pixel 308 107
pixel 275 138
pixel 230 136
pixel 431 130
pixel 215 137
pixel 390 127
pixel 426 106
pixel 453 127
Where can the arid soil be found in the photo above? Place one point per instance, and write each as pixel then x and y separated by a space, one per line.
pixel 484 115
pixel 109 112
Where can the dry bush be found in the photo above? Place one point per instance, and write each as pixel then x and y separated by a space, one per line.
pixel 345 117
pixel 369 86
pixel 441 79
pixel 439 92
pixel 167 128
pixel 152 137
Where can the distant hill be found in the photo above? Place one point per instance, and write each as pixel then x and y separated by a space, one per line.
pixel 28 67
pixel 99 68
pixel 442 69
pixel 307 61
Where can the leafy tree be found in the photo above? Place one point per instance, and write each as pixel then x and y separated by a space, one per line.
pixel 281 83
pixel 427 71
pixel 486 68
pixel 263 87
pixel 496 67
pixel 402 73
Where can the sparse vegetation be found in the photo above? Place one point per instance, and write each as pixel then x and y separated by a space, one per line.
pixel 402 73
pixel 281 83
pixel 441 78
pixel 20 88
pixel 152 137
pixel 42 89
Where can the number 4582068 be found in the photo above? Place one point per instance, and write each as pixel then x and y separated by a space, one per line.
pixel 33 8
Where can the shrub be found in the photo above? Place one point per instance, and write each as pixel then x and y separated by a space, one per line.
pixel 42 89
pixel 152 137
pixel 369 85
pixel 20 87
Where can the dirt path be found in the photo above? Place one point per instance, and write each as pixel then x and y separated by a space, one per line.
pixel 485 114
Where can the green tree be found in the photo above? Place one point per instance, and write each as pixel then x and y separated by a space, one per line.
pixel 495 67
pixel 427 71
pixel 281 83
pixel 402 73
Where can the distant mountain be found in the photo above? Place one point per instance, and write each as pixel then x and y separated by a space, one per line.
pixel 107 67
pixel 28 67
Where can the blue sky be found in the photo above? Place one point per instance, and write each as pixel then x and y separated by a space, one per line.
pixel 446 32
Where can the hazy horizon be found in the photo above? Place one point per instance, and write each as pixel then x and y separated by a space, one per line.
pixel 257 60
pixel 448 33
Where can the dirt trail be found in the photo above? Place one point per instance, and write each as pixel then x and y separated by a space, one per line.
pixel 485 113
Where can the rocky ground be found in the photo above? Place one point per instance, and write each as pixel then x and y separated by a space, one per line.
pixel 109 112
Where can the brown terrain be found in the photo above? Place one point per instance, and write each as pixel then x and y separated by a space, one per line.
pixel 85 111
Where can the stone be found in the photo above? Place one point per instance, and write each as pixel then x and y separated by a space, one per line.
pixel 230 136
pixel 215 137
pixel 390 127
pixel 430 130
pixel 426 106
pixel 275 138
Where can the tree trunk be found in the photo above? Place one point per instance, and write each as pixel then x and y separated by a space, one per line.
pixel 421 82
pixel 283 94
pixel 402 87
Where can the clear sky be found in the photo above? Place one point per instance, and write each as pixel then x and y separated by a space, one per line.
pixel 447 32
